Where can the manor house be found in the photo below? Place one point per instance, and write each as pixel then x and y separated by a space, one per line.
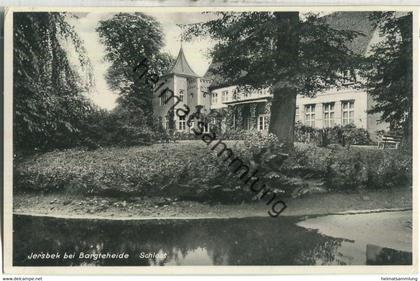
pixel 229 107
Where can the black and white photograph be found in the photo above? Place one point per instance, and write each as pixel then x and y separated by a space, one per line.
pixel 207 137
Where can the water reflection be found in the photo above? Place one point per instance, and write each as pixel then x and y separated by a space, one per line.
pixel 376 255
pixel 382 238
pixel 250 241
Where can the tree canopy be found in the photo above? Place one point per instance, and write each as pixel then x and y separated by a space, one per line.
pixel 260 49
pixel 49 103
pixel 129 39
pixel 389 70
pixel 291 54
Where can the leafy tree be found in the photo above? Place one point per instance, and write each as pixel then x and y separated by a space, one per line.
pixel 48 101
pixel 389 71
pixel 129 39
pixel 281 50
pixel 119 127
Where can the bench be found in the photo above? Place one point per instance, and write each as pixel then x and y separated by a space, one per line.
pixel 389 141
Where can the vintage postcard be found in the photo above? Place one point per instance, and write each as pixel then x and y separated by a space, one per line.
pixel 218 140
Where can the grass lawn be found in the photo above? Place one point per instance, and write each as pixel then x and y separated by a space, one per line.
pixel 132 169
pixel 189 169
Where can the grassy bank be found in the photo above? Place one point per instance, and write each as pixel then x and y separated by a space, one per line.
pixel 189 170
pixel 63 205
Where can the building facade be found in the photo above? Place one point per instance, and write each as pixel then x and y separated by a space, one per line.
pixel 250 110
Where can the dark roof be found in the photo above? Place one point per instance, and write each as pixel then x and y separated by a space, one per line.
pixel 213 74
pixel 181 66
pixel 356 21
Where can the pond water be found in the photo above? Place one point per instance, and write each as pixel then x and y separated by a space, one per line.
pixel 328 240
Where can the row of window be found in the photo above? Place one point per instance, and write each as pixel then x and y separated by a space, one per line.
pixel 347 113
pixel 225 95
pixel 328 116
pixel 164 98
pixel 182 124
pixel 214 96
pixel 328 111
pixel 262 122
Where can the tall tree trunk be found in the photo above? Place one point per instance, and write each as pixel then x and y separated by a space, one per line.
pixel 283 107
pixel 283 111
pixel 405 25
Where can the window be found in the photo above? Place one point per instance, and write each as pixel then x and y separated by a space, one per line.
pixel 248 123
pixel 297 117
pixel 166 122
pixel 328 114
pixel 263 122
pixel 214 98
pixel 182 123
pixel 347 109
pixel 163 98
pixel 225 96
pixel 206 127
pixel 181 95
pixel 310 115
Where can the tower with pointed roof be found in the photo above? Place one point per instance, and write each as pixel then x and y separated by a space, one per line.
pixel 182 67
pixel 189 89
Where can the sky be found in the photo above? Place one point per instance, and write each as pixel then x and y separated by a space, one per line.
pixel 196 51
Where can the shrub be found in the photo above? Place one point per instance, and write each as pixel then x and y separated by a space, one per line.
pixel 337 167
pixel 255 141
pixel 389 168
pixel 344 135
pixel 353 135
pixel 235 134
pixel 304 133
pixel 346 170
pixel 307 161
pixel 186 136
pixel 369 168
pixel 121 127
